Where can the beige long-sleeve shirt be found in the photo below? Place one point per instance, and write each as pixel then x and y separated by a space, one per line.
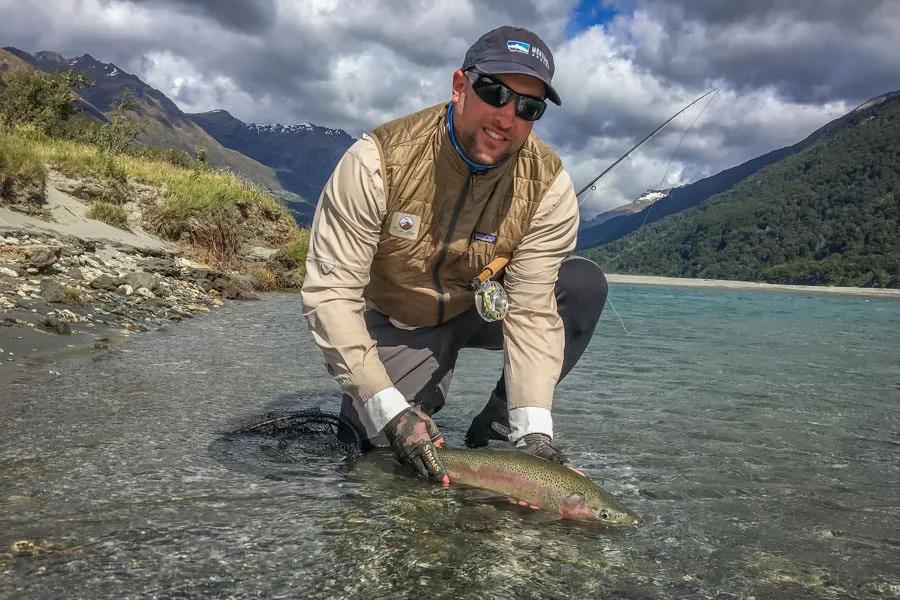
pixel 343 240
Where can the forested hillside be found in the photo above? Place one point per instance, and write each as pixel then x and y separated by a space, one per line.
pixel 828 215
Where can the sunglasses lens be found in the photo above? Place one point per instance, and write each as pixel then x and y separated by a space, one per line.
pixel 491 92
pixel 530 109
pixel 496 94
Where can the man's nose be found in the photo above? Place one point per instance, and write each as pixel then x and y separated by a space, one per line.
pixel 506 114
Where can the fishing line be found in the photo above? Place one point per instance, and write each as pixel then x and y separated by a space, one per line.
pixel 608 301
pixel 592 185
pixel 663 179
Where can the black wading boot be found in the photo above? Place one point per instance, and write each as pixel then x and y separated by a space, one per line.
pixel 492 423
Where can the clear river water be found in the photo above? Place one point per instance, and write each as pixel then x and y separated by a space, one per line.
pixel 757 435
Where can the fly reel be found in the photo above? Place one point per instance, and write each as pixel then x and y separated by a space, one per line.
pixel 491 301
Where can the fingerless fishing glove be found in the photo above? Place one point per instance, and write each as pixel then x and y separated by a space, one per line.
pixel 538 444
pixel 413 437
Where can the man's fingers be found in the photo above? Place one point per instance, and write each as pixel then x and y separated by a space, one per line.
pixel 439 443
pixel 524 503
pixel 429 465
pixel 419 465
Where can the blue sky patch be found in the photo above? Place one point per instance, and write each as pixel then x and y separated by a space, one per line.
pixel 588 13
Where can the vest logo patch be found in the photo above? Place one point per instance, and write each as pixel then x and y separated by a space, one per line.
pixel 405 225
pixel 484 237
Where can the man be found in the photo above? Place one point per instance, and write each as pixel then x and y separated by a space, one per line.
pixel 412 213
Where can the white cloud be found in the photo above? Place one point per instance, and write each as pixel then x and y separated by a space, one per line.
pixel 785 68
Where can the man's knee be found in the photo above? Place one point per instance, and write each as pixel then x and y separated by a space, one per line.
pixel 581 286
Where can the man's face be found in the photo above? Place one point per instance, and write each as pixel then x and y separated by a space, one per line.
pixel 488 134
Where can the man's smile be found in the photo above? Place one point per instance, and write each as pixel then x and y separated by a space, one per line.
pixel 495 135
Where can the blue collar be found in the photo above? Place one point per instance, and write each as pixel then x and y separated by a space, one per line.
pixel 475 166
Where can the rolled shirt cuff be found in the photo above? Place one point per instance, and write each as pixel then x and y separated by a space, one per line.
pixel 378 410
pixel 529 419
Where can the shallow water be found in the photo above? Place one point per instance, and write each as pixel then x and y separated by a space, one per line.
pixel 757 434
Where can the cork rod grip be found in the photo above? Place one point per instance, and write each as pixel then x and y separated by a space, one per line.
pixel 492 268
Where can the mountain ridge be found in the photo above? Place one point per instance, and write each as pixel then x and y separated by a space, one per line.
pixel 303 155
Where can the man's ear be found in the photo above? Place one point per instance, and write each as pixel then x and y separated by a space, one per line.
pixel 459 85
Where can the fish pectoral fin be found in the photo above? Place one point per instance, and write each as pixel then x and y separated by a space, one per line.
pixel 574 500
pixel 574 506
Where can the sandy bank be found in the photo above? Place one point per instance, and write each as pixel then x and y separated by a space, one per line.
pixel 749 285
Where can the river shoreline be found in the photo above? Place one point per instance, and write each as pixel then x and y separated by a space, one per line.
pixel 723 284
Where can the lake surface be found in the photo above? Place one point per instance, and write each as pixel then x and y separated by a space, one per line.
pixel 757 434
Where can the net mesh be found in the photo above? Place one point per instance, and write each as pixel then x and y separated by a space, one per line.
pixel 300 434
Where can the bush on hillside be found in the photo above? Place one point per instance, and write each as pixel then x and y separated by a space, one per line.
pixel 42 100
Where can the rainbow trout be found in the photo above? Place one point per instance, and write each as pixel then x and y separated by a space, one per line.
pixel 540 482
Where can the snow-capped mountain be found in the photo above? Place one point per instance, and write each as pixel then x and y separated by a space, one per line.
pixel 302 154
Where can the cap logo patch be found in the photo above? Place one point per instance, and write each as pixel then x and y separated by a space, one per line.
pixel 514 46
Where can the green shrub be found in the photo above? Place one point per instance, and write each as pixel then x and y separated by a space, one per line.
pixel 43 100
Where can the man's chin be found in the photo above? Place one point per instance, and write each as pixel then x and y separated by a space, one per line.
pixel 493 158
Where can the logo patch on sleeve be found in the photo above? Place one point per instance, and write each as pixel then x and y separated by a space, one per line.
pixel 405 225
pixel 490 238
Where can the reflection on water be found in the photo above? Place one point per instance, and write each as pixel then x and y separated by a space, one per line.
pixel 756 434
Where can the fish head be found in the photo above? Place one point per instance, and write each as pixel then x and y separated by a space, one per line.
pixel 592 506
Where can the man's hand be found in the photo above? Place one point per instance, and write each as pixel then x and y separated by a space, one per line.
pixel 538 444
pixel 413 437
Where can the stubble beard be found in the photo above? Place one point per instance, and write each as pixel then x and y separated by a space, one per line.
pixel 467 143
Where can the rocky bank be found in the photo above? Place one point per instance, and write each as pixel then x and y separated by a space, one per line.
pixel 68 282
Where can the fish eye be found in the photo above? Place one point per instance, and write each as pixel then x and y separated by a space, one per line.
pixel 604 514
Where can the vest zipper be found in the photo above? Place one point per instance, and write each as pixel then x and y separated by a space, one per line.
pixel 470 182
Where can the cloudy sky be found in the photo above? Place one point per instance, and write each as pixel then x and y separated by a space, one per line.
pixel 784 67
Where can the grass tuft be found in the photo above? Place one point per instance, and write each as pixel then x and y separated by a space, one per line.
pixel 295 251
pixel 110 214
pixel 264 279
pixel 19 171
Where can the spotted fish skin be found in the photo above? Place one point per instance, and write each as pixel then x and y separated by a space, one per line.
pixel 539 482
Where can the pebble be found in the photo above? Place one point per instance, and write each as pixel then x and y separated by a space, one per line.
pixel 8 272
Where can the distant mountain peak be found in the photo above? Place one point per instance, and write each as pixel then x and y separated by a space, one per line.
pixel 84 58
pixel 302 127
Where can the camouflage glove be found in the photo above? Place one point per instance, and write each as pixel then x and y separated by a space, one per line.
pixel 538 444
pixel 413 437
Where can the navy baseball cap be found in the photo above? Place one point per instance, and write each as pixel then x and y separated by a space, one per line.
pixel 513 50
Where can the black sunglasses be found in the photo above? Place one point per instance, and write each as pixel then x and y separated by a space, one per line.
pixel 496 93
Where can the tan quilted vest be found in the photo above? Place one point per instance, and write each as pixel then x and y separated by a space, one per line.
pixel 443 223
